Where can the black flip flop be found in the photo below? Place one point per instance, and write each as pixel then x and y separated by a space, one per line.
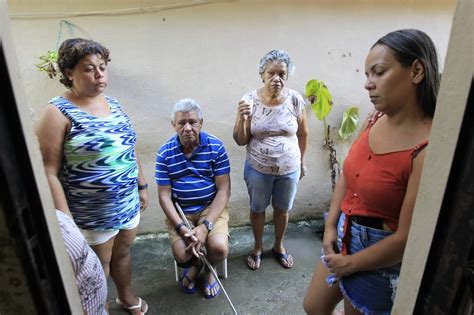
pixel 256 259
pixel 279 256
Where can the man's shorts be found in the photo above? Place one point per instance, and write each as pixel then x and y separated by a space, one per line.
pixel 221 226
pixel 100 237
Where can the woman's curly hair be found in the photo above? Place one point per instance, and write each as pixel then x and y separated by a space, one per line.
pixel 73 50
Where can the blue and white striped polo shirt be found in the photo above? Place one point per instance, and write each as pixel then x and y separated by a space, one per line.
pixel 192 179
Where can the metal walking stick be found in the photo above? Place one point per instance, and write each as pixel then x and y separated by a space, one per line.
pixel 204 258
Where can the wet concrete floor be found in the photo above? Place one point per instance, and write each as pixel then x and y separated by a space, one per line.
pixel 269 290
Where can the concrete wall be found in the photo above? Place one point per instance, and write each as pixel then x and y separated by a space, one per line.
pixel 209 50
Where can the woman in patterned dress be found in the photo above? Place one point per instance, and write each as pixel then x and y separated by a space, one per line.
pixel 271 122
pixel 88 148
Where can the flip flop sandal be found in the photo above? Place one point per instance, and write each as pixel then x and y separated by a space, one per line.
pixel 186 289
pixel 210 287
pixel 134 307
pixel 279 256
pixel 256 259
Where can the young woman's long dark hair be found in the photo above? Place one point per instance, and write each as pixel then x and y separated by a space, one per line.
pixel 410 45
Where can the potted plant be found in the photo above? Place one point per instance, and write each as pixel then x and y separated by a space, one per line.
pixel 49 61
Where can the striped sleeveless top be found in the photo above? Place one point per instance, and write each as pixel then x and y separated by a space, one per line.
pixel 99 171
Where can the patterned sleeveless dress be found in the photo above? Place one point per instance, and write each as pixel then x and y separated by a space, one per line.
pixel 99 169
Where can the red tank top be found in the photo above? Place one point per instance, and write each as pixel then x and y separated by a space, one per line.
pixel 376 183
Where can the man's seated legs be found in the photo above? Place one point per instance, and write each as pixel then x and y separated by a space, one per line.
pixel 217 247
pixel 217 250
pixel 185 259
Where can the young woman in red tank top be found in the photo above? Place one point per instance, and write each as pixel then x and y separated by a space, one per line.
pixel 371 209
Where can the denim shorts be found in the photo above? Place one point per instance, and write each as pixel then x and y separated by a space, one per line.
pixel 281 189
pixel 370 292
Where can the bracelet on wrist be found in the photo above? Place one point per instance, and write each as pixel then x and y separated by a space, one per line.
pixel 141 187
pixel 179 226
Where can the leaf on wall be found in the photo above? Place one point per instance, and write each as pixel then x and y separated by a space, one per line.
pixel 320 96
pixel 311 88
pixel 350 120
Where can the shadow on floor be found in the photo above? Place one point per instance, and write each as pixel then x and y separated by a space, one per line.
pixel 269 290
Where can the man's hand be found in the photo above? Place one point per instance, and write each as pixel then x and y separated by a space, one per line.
pixel 191 241
pixel 188 235
pixel 195 239
pixel 201 233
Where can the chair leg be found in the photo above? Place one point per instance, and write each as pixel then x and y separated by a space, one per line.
pixel 221 269
pixel 177 270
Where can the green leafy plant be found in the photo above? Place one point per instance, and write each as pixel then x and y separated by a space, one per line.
pixel 350 120
pixel 49 63
pixel 321 104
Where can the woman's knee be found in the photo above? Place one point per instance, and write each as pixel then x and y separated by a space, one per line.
pixel 121 250
pixel 104 252
pixel 309 302
pixel 321 298
pixel 257 218
pixel 312 307
pixel 106 263
pixel 308 305
pixel 280 213
pixel 123 244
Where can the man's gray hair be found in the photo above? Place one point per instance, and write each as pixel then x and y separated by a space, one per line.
pixel 276 55
pixel 186 105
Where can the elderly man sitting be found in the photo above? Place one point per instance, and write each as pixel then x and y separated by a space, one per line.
pixel 192 169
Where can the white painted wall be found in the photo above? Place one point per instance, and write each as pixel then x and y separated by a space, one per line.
pixel 209 50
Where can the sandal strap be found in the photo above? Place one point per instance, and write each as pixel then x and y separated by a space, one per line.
pixel 133 307
pixel 211 286
pixel 187 278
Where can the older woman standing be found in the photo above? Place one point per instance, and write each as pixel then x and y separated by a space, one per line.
pixel 88 148
pixel 271 122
